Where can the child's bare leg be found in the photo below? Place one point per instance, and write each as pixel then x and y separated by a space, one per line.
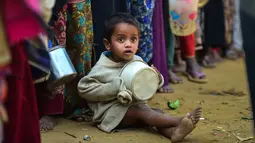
pixel 195 115
pixel 158 110
pixel 144 114
pixel 175 128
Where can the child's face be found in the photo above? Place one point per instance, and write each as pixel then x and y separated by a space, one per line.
pixel 124 42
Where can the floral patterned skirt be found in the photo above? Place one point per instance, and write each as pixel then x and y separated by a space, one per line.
pixel 79 48
pixel 80 35
pixel 142 10
pixel 74 30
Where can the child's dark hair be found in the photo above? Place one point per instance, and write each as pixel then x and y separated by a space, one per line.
pixel 115 19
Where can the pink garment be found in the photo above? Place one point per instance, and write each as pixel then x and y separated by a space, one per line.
pixel 20 21
pixel 52 103
pixel 34 5
pixel 23 125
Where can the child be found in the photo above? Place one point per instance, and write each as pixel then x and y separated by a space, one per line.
pixel 107 95
pixel 183 15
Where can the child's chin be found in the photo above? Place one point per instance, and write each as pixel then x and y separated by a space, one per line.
pixel 128 59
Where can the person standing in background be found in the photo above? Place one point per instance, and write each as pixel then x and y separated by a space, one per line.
pixel 143 11
pixel 5 59
pixel 22 20
pixel 214 33
pixel 237 31
pixel 159 59
pixel 170 45
pixel 183 15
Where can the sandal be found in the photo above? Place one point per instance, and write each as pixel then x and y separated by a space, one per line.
pixel 199 77
pixel 208 63
pixel 231 54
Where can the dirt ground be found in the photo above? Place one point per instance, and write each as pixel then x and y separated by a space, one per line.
pixel 222 112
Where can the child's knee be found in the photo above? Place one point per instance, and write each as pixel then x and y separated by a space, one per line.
pixel 138 111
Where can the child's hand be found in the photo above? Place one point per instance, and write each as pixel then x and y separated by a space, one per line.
pixel 159 74
pixel 125 97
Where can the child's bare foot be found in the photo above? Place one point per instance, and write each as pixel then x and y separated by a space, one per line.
pixel 186 126
pixel 195 115
pixel 47 123
pixel 166 89
pixel 173 78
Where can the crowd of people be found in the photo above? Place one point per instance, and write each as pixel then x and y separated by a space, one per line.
pixel 175 36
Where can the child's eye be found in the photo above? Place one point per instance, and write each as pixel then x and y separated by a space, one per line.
pixel 120 39
pixel 134 39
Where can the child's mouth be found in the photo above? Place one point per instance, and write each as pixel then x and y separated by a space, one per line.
pixel 128 52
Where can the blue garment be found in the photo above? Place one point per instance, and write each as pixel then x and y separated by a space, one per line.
pixel 142 10
pixel 39 60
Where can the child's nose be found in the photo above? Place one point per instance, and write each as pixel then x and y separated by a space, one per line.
pixel 127 44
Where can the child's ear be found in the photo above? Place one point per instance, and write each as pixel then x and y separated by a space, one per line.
pixel 107 44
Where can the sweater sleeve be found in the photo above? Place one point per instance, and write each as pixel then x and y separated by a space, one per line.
pixel 93 89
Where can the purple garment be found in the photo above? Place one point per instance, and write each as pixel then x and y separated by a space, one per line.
pixel 159 48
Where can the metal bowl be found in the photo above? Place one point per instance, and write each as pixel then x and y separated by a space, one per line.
pixel 141 79
pixel 62 69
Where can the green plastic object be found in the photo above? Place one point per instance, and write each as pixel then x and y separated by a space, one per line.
pixel 174 105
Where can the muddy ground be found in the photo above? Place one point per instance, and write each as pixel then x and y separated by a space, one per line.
pixel 222 111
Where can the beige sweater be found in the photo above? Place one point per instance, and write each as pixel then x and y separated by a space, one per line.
pixel 106 93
